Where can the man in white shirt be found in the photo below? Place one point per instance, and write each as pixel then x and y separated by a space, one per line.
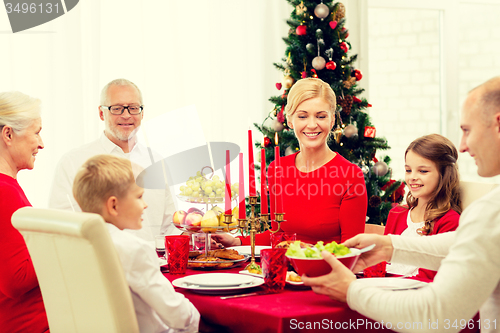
pixel 467 260
pixel 121 109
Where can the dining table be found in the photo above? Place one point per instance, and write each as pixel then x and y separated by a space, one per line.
pixel 296 309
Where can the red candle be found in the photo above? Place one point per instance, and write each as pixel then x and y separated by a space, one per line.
pixel 251 169
pixel 263 183
pixel 227 192
pixel 278 191
pixel 242 210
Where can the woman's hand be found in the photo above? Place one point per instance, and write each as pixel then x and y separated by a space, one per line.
pixel 336 283
pixel 382 251
pixel 226 239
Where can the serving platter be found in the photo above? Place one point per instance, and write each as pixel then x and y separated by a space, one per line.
pixel 221 264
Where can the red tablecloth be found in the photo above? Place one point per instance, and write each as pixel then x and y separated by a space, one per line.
pixel 297 309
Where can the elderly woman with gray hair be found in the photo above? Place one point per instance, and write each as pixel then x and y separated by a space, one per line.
pixel 21 303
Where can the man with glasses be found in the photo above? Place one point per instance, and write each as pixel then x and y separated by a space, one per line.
pixel 121 108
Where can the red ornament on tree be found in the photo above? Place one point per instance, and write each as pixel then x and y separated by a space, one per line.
pixel 344 47
pixel 345 32
pixel 278 86
pixel 333 24
pixel 315 75
pixel 357 74
pixel 301 30
pixel 370 131
pixel 267 141
pixel 331 65
pixel 304 74
pixel 355 99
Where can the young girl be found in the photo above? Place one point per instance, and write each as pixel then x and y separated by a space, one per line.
pixel 433 198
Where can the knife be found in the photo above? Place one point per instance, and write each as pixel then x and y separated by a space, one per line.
pixel 245 295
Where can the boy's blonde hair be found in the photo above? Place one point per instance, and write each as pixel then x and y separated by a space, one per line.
pixel 101 177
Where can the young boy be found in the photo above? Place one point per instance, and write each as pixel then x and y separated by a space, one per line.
pixel 105 185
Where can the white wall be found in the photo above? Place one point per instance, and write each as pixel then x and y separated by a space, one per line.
pixel 217 55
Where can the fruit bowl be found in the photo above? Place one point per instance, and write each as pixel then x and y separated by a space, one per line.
pixel 313 267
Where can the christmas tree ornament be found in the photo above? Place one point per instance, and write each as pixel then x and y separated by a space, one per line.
pixel 346 103
pixel 356 100
pixel 287 81
pixel 380 168
pixel 344 32
pixel 266 142
pixel 300 9
pixel 281 117
pixel 310 47
pixel 314 73
pixel 370 132
pixel 319 33
pixel 333 24
pixel 301 30
pixel 339 12
pixel 337 133
pixel 304 74
pixel 321 11
pixel 289 151
pixel 374 201
pixel 350 131
pixel 357 74
pixel 321 42
pixel 349 82
pixel 277 126
pixel 278 86
pixel 344 47
pixel 364 168
pixel 331 65
pixel 319 63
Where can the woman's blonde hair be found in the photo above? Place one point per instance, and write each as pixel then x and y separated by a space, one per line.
pixel 308 88
pixel 18 110
pixel 443 153
pixel 101 177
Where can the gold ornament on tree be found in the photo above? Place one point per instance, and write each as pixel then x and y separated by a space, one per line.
pixel 288 81
pixel 300 9
pixel 337 132
pixel 349 82
pixel 339 12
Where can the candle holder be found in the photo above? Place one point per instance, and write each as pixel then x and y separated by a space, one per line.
pixel 252 219
pixel 264 220
pixel 278 218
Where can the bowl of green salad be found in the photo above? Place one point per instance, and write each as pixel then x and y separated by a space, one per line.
pixel 309 261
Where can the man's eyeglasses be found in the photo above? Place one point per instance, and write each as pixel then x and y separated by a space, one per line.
pixel 119 109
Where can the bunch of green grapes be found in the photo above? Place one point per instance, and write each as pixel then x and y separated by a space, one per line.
pixel 206 190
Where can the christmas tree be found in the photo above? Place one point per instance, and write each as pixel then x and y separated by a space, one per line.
pixel 317 46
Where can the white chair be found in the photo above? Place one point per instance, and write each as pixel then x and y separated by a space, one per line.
pixel 80 275
pixel 471 191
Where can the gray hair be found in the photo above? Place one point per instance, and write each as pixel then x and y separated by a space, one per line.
pixel 18 110
pixel 117 82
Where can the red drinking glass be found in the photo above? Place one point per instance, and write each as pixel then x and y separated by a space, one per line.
pixel 279 237
pixel 178 252
pixel 274 266
pixel 377 270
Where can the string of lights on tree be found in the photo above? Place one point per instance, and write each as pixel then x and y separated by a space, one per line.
pixel 317 46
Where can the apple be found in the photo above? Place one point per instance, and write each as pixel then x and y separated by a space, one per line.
pixel 179 217
pixel 193 221
pixel 193 210
pixel 208 221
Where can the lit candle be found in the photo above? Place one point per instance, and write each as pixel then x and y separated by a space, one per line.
pixel 251 169
pixel 242 209
pixel 277 177
pixel 227 192
pixel 263 181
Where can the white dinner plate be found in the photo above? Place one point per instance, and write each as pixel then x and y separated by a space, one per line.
pixel 392 283
pixel 245 249
pixel 180 283
pixel 218 279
